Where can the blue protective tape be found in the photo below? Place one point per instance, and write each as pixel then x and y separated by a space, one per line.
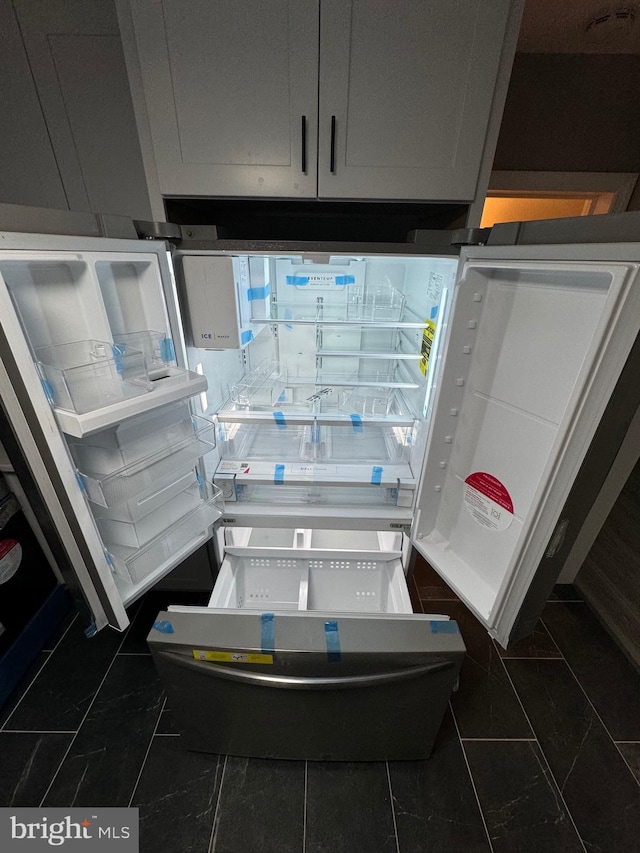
pixel 245 337
pixel 444 626
pixel 167 351
pixel 434 313
pixel 278 475
pixel 315 433
pixel 282 398
pixel 345 279
pixel 164 627
pixel 288 315
pixel 255 293
pixel 49 393
pixel 298 280
pixel 280 420
pixel 81 483
pixel 356 420
pixel 118 350
pixel 332 639
pixel 376 475
pixel 267 633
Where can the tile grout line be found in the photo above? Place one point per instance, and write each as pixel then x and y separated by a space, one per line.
pixel 544 757
pixel 500 739
pixel 304 809
pixel 393 810
pixel 602 723
pixel 40 732
pixel 146 755
pixel 471 779
pixel 88 711
pixel 214 828
pixel 31 683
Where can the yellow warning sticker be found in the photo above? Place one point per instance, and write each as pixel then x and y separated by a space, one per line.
pixel 232 657
pixel 428 335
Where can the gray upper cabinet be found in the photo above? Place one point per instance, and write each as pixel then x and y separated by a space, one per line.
pixel 78 68
pixel 231 92
pixel 405 96
pixel 337 99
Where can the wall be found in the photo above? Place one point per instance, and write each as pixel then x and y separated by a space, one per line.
pixel 572 113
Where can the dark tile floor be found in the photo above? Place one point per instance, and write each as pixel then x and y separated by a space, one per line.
pixel 539 751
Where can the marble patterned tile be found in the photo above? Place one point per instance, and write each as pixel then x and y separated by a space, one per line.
pixel 106 757
pixel 631 754
pixel 20 691
pixel 610 681
pixel 349 807
pixel 485 705
pixel 60 696
pixel 539 644
pixel 261 807
pixel 519 798
pixel 596 783
pixel 434 802
pixel 28 760
pixel 177 795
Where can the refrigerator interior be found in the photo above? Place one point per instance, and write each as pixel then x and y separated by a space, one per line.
pixel 97 328
pixel 325 406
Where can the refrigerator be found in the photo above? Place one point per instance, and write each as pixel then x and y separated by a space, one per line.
pixel 320 414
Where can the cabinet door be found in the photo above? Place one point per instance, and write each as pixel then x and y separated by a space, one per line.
pixel 28 169
pixel 231 92
pixel 80 74
pixel 405 95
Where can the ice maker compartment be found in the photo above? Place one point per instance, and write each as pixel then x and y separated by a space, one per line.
pixel 87 375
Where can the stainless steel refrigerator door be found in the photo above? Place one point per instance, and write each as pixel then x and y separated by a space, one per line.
pixel 320 686
pixel 536 342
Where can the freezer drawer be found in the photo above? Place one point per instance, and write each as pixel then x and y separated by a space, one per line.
pixel 301 685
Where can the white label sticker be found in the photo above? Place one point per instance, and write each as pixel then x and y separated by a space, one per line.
pixel 488 501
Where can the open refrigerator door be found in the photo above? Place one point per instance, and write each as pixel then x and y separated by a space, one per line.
pixel 96 390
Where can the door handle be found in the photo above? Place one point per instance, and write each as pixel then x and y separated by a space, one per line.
pixel 332 165
pixel 304 144
pixel 295 682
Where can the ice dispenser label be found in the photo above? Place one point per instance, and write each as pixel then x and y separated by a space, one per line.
pixel 488 501
pixel 231 657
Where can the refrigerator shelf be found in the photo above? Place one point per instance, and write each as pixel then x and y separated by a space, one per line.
pixel 136 564
pixel 346 443
pixel 310 542
pixel 108 486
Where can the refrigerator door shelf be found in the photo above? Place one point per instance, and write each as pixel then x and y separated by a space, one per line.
pixel 175 383
pixel 136 565
pixel 114 485
pixel 326 686
pixel 85 375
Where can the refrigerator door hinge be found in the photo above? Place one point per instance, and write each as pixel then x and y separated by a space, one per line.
pixel 470 236
pixel 148 230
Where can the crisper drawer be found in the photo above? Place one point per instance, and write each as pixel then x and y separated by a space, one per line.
pixel 302 685
pixel 299 583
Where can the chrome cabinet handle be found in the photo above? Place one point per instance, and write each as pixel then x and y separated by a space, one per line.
pixel 304 145
pixel 332 165
pixel 294 682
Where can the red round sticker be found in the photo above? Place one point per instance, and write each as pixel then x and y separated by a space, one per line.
pixel 10 558
pixel 488 501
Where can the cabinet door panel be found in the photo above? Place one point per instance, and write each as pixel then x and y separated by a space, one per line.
pixel 411 87
pixel 79 69
pixel 227 83
pixel 28 169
